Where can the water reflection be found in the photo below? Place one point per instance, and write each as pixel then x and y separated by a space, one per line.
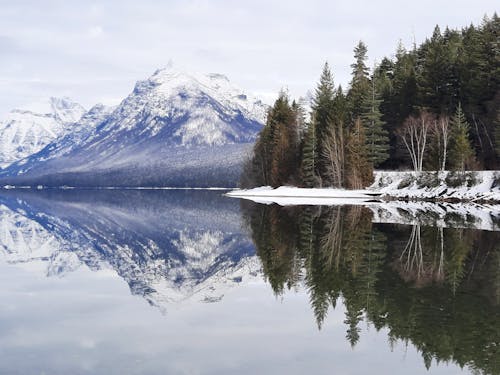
pixel 425 284
pixel 438 288
pixel 168 245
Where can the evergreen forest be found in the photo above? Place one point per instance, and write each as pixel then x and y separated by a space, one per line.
pixel 435 106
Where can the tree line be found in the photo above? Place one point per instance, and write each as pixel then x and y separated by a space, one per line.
pixel 433 107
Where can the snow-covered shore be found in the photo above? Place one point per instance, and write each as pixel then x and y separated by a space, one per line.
pixel 480 186
pixel 474 186
pixel 405 198
pixel 289 195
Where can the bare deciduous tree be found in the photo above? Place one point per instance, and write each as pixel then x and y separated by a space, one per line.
pixel 440 131
pixel 414 136
pixel 333 154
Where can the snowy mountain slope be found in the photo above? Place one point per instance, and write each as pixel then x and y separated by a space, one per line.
pixel 167 122
pixel 80 130
pixel 25 132
pixel 165 244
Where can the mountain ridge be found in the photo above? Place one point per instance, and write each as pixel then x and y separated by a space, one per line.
pixel 24 131
pixel 153 136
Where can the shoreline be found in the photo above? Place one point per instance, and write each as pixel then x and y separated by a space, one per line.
pixel 480 187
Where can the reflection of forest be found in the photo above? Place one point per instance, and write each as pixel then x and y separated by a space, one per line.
pixel 438 288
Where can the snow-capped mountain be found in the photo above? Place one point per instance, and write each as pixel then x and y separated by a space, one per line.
pixel 80 131
pixel 175 129
pixel 165 244
pixel 25 132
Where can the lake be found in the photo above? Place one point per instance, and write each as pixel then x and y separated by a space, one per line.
pixel 192 282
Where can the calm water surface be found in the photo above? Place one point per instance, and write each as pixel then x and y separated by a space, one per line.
pixel 191 282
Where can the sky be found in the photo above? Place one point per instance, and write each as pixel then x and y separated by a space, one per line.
pixel 95 51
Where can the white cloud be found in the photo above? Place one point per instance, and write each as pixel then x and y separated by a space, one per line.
pixel 95 31
pixel 262 45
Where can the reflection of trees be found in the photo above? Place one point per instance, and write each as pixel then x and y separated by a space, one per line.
pixel 434 255
pixel 438 288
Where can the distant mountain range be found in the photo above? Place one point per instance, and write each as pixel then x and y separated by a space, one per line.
pixel 175 129
pixel 25 132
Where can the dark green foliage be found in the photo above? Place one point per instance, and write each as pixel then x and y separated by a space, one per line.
pixel 323 101
pixel 377 140
pixel 285 149
pixel 323 107
pixel 360 83
pixel 437 80
pixel 275 159
pixel 310 157
pixel 452 69
pixel 497 132
pixel 461 153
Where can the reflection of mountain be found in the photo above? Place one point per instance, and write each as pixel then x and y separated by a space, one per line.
pixel 438 288
pixel 165 244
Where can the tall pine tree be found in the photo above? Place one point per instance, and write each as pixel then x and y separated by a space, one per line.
pixel 275 159
pixel 323 107
pixel 310 156
pixel 360 83
pixel 461 152
pixel 282 119
pixel 377 140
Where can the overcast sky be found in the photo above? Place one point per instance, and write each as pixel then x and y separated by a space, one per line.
pixel 94 51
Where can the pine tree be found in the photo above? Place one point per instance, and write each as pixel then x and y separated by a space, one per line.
pixel 323 100
pixel 310 157
pixel 404 93
pixel 497 133
pixel 436 80
pixel 360 83
pixel 282 121
pixel 275 157
pixel 323 107
pixel 461 152
pixel 377 139
pixel 260 164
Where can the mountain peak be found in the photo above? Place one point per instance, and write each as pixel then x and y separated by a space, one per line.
pixel 174 84
pixel 173 124
pixel 196 108
pixel 66 110
pixel 26 131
